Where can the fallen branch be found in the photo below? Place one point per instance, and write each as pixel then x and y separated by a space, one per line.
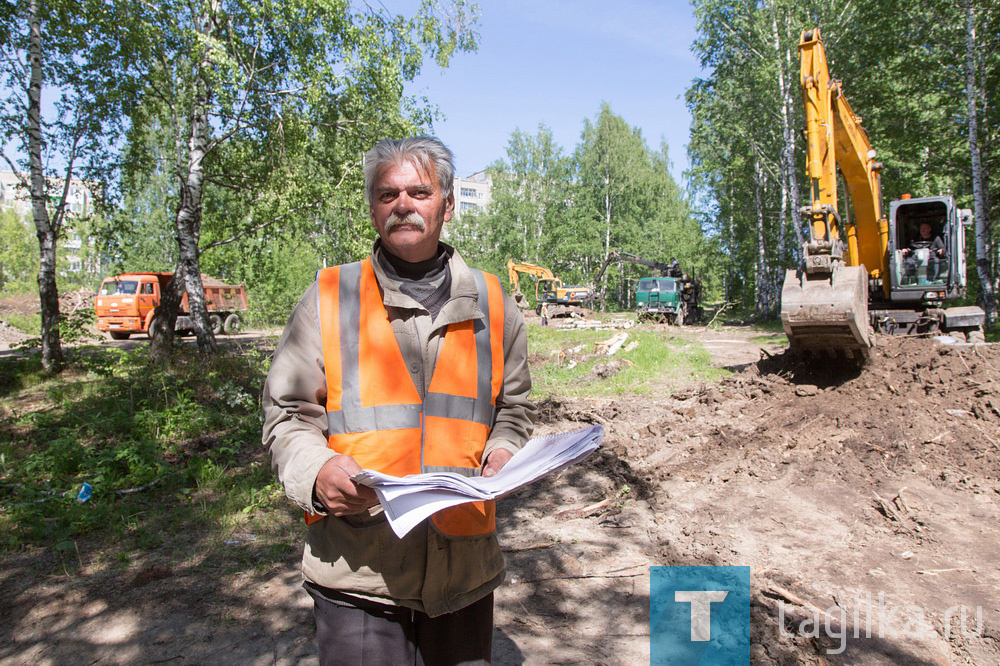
pixel 887 509
pixel 791 597
pixel 606 574
pixel 717 313
pixel 145 486
pixel 612 344
pixel 534 546
pixel 583 512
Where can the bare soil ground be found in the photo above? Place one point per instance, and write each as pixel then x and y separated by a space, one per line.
pixel 872 496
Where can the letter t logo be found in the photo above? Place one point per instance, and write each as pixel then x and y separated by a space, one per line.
pixel 701 610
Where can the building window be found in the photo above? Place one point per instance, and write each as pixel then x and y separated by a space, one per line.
pixel 469 192
pixel 467 206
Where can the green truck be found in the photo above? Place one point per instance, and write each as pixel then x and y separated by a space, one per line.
pixel 669 300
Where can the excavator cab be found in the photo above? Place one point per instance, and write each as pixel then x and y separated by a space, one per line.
pixel 923 268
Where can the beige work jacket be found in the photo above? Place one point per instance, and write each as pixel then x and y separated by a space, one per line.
pixel 360 555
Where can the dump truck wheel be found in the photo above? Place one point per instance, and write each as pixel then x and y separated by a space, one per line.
pixel 232 324
pixel 215 323
pixel 119 335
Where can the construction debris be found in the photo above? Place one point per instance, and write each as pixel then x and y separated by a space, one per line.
pixel 612 344
pixel 596 324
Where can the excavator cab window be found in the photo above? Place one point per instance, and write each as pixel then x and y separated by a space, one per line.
pixel 921 257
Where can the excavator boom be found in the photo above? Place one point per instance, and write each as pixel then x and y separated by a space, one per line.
pixel 824 304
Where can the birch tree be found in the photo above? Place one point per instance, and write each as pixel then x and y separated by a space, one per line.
pixel 80 54
pixel 973 93
pixel 243 83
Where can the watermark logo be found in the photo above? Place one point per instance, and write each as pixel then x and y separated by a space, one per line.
pixel 700 615
pixel 868 617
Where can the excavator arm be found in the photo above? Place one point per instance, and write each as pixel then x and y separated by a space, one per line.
pixel 835 138
pixel 514 271
pixel 824 305
pixel 616 255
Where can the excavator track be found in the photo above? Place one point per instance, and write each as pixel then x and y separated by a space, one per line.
pixel 826 314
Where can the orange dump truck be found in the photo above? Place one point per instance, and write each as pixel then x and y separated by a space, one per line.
pixel 127 303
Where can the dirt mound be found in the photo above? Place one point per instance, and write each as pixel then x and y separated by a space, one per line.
pixel 834 484
pixel 24 304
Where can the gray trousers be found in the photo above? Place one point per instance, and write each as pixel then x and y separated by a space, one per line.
pixel 357 632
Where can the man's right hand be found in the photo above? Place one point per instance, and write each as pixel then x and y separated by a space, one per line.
pixel 335 490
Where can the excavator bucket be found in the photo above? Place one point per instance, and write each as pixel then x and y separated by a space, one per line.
pixel 827 314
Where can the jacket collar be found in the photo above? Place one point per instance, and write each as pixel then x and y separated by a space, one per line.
pixel 462 302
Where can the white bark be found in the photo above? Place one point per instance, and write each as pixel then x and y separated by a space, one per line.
pixel 46 229
pixel 187 222
pixel 762 283
pixel 987 297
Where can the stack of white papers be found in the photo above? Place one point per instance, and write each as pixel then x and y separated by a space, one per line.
pixel 410 499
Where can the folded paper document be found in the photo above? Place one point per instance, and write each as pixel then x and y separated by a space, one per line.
pixel 410 499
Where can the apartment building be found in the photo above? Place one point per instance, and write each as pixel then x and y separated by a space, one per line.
pixel 472 194
pixel 79 202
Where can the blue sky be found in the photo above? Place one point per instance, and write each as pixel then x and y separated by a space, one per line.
pixel 554 62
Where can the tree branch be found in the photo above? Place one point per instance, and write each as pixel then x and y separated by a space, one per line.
pixel 260 226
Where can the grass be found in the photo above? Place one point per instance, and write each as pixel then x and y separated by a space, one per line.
pixel 564 362
pixel 30 324
pixel 771 338
pixel 173 452
pixel 173 455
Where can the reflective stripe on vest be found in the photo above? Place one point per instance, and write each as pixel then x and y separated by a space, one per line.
pixel 374 410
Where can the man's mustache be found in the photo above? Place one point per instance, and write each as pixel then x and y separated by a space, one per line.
pixel 411 219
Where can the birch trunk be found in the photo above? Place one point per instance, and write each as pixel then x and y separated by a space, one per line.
pixel 187 223
pixel 46 229
pixel 790 183
pixel 986 294
pixel 762 283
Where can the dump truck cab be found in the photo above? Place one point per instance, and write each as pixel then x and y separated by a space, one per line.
pixel 659 299
pixel 125 303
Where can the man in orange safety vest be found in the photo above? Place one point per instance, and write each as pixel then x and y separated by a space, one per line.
pixel 408 361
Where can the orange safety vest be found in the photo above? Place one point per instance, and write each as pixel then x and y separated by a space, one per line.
pixel 374 411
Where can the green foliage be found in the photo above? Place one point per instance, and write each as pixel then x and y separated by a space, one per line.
pixel 74 327
pixel 565 212
pixel 746 148
pixel 18 255
pixel 26 323
pixel 120 423
pixel 661 361
pixel 292 95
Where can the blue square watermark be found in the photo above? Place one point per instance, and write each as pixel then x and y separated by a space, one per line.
pixel 700 616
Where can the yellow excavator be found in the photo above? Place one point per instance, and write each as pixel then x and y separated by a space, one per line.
pixel 869 272
pixel 563 300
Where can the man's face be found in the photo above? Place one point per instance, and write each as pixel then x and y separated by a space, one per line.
pixel 925 231
pixel 408 211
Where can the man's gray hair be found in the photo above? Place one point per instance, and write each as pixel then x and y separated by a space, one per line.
pixel 422 151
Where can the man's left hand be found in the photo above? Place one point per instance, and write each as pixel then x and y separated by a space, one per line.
pixel 496 461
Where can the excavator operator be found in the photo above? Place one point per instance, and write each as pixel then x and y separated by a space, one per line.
pixel 926 240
